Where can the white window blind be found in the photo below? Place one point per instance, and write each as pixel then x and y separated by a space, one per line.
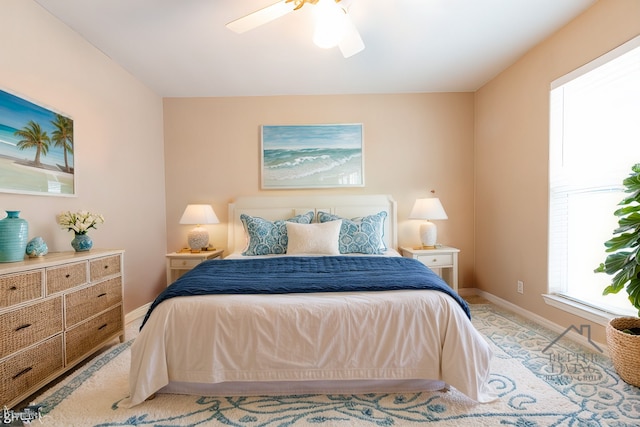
pixel 594 141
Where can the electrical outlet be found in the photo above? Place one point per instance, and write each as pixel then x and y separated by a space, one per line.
pixel 520 287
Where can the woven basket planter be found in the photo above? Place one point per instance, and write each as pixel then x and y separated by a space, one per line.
pixel 624 348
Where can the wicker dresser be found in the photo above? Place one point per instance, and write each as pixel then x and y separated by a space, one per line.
pixel 54 312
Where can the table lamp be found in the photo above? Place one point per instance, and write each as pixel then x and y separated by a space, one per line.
pixel 428 209
pixel 198 237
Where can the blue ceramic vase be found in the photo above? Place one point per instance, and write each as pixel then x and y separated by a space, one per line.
pixel 82 242
pixel 14 232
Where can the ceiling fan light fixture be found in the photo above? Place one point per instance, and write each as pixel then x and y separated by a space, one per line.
pixel 331 24
pixel 351 43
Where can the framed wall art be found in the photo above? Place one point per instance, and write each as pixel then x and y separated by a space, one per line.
pixel 312 156
pixel 36 148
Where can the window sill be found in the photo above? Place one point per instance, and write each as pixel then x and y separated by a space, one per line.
pixel 574 307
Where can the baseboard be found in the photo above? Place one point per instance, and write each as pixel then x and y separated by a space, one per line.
pixel 574 336
pixel 136 314
pixel 465 292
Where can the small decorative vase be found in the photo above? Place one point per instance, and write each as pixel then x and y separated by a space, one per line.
pixel 13 237
pixel 82 242
pixel 37 247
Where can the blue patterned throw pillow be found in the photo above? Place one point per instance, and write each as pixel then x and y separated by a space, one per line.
pixel 269 237
pixel 363 235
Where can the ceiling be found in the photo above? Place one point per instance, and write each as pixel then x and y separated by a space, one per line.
pixel 181 48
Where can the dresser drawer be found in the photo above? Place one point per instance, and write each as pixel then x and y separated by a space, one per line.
pixel 50 306
pixel 26 369
pixel 21 287
pixel 104 267
pixel 439 260
pixel 66 277
pixel 86 302
pixel 85 337
pixel 186 264
pixel 25 326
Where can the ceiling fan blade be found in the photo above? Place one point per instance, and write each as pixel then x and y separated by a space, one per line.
pixel 351 43
pixel 261 17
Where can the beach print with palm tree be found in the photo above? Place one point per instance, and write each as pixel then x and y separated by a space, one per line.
pixel 36 148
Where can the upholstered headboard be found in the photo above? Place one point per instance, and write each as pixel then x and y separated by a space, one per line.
pixel 283 207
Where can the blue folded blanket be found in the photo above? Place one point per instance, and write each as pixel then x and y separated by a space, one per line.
pixel 283 275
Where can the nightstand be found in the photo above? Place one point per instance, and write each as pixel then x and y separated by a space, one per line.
pixel 179 263
pixel 443 260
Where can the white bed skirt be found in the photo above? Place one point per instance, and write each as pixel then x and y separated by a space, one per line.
pixel 279 388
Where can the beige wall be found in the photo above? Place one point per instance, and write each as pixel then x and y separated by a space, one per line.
pixel 118 142
pixel 413 143
pixel 511 161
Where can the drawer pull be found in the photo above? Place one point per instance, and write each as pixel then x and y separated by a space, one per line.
pixel 24 371
pixel 13 288
pixel 67 275
pixel 101 295
pixel 103 326
pixel 106 267
pixel 435 259
pixel 25 326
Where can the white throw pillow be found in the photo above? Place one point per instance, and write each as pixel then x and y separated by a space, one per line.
pixel 316 238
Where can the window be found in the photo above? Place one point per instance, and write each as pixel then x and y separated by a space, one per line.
pixel 594 141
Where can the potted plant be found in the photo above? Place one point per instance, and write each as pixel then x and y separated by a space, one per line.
pixel 623 262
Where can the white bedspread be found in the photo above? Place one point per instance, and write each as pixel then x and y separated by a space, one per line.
pixel 309 337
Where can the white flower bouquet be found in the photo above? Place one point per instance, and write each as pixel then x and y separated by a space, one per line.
pixel 79 222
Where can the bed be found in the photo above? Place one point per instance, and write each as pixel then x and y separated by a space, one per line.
pixel 325 306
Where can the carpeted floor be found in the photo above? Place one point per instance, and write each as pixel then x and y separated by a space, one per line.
pixel 542 382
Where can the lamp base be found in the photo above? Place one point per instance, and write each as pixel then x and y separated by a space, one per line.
pixel 198 238
pixel 428 235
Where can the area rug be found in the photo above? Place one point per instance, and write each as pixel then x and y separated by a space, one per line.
pixel 542 380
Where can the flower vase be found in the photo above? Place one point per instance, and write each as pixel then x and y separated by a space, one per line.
pixel 82 242
pixel 13 237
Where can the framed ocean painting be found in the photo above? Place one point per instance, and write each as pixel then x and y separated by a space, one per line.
pixel 36 149
pixel 312 156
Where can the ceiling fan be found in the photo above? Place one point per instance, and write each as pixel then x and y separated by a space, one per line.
pixel 333 23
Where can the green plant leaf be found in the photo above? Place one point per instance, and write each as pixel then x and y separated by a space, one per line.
pixel 630 199
pixel 632 183
pixel 633 219
pixel 619 281
pixel 622 241
pixel 611 290
pixel 625 228
pixel 615 262
pixel 626 210
pixel 633 289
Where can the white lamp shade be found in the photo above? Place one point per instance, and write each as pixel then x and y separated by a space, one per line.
pixel 428 209
pixel 199 214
